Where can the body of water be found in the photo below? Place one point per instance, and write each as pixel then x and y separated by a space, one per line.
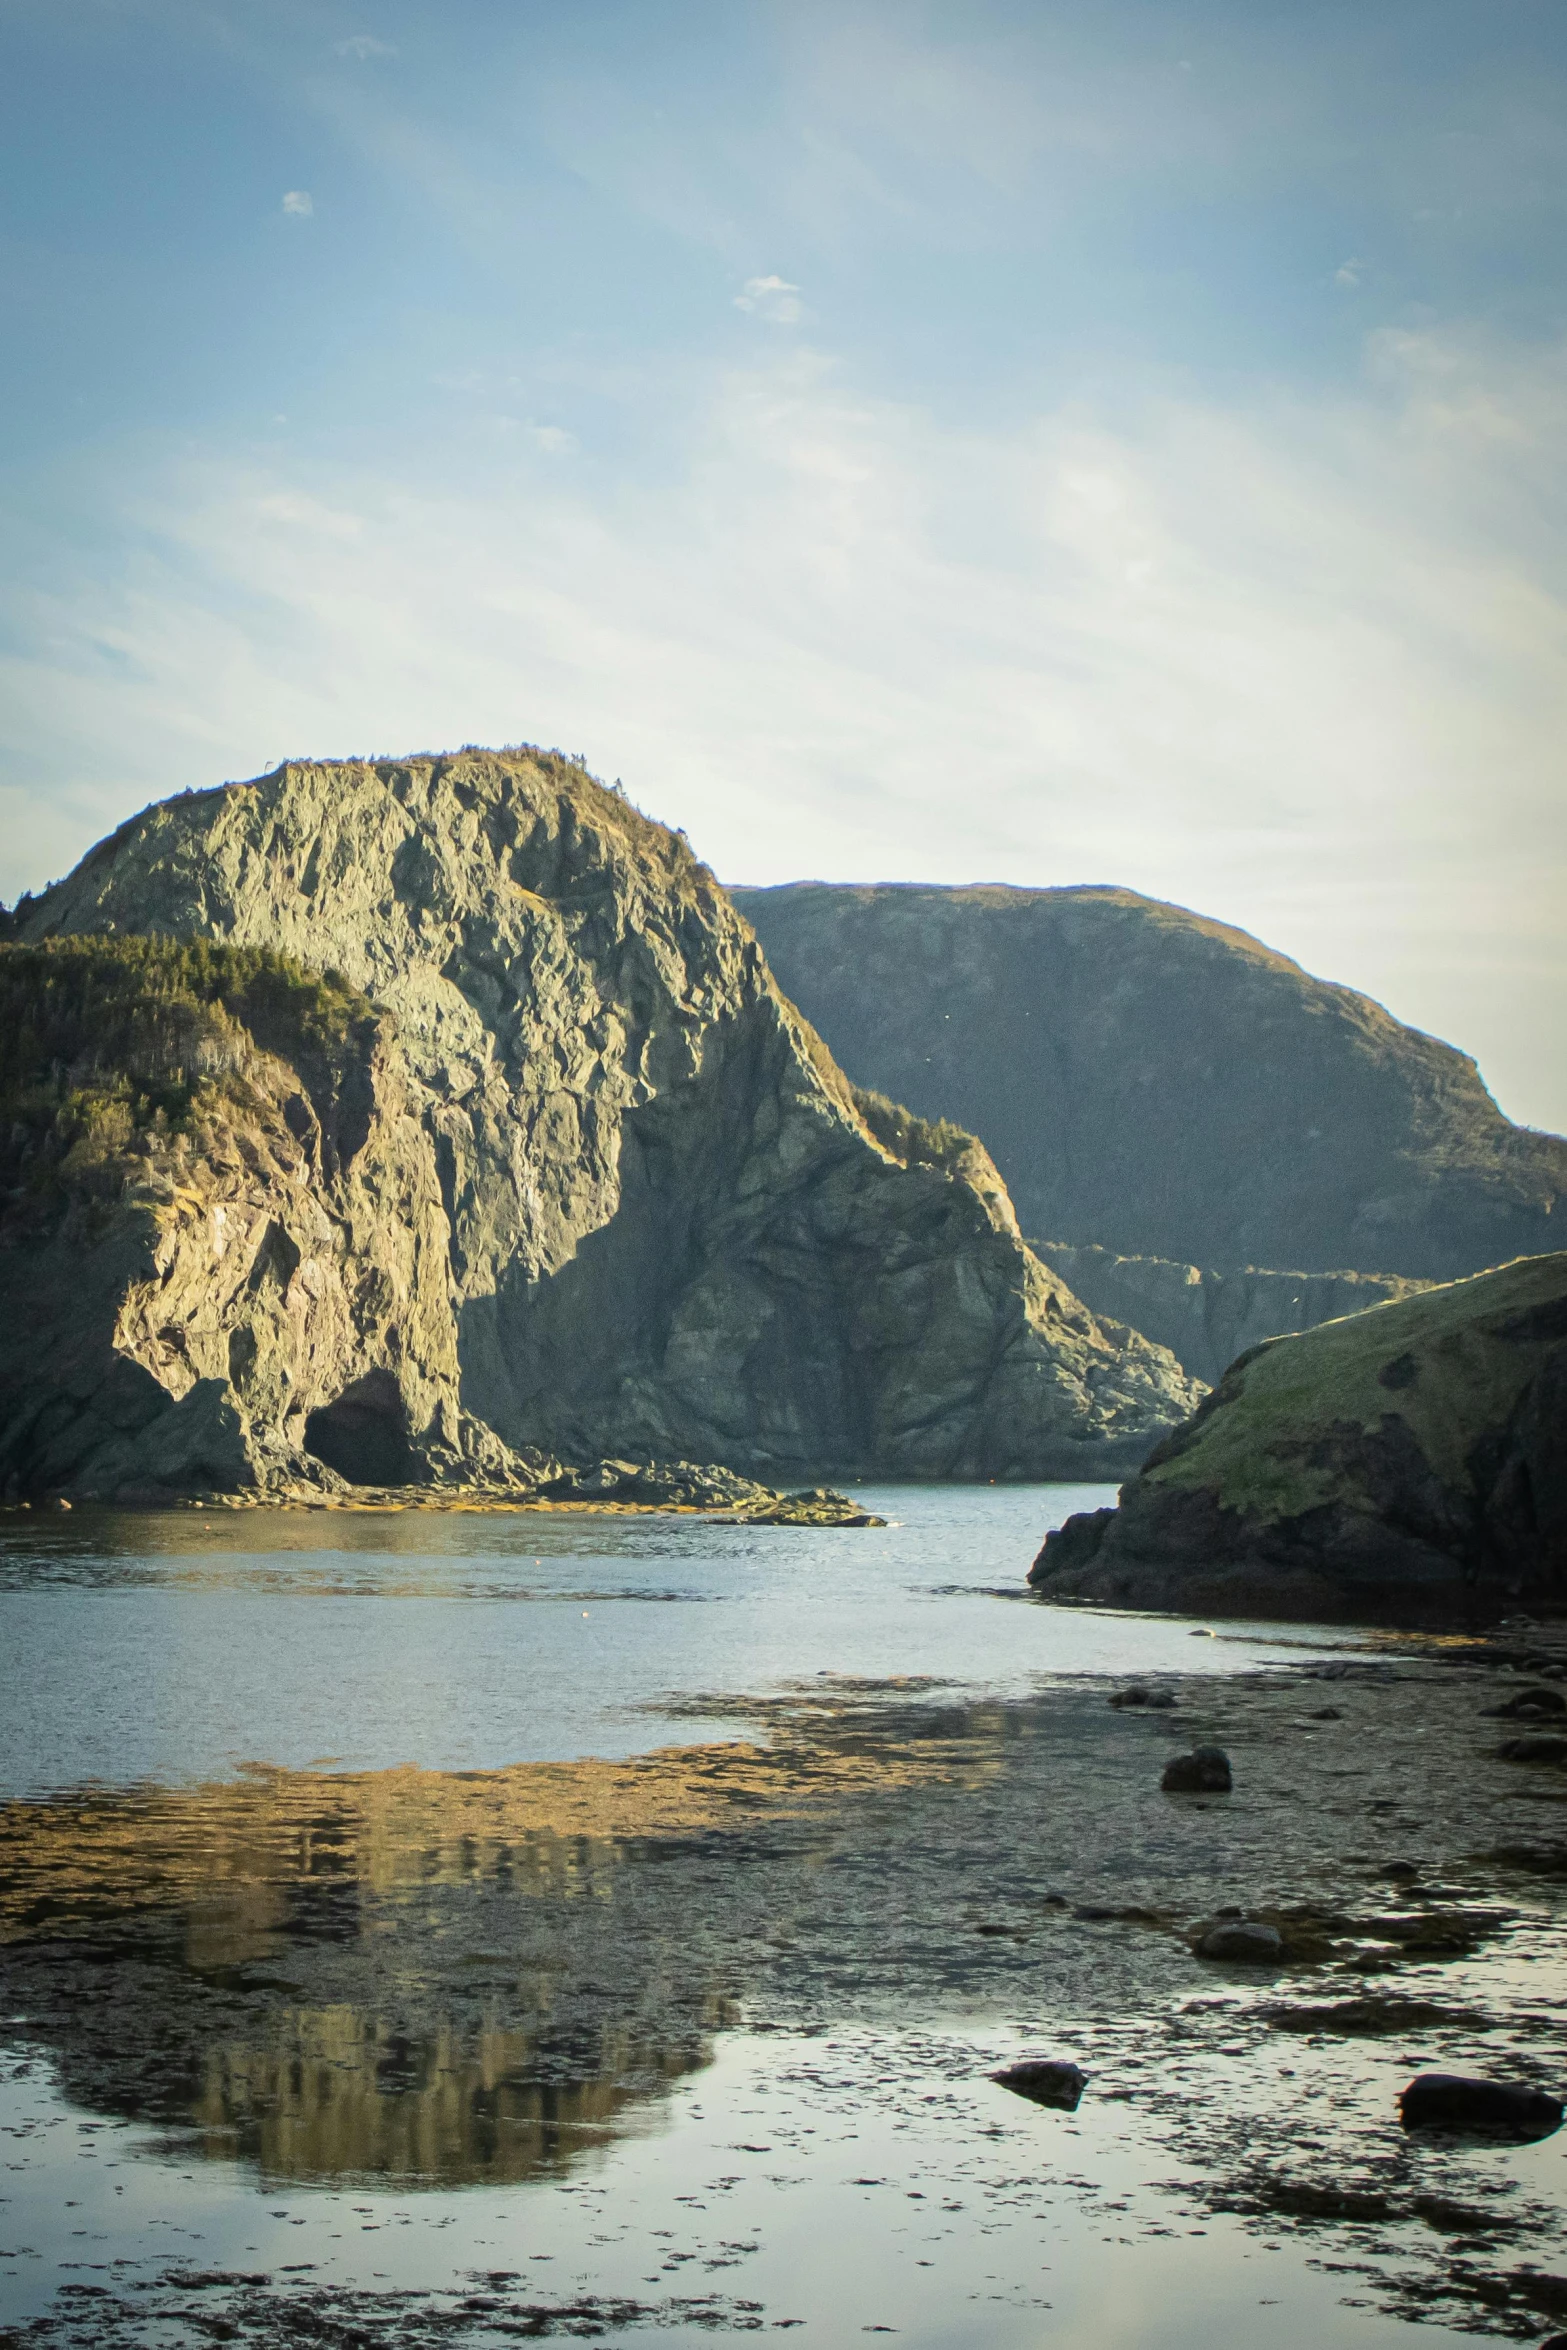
pixel 463 1928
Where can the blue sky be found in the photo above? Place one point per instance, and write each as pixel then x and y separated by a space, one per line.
pixel 1006 442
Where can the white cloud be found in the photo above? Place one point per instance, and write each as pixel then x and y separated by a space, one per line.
pixel 1306 669
pixel 1348 273
pixel 363 45
pixel 772 298
pixel 553 439
pixel 297 204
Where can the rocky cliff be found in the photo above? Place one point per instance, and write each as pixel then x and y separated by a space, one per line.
pixel 1161 1085
pixel 550 1162
pixel 1207 1318
pixel 1407 1464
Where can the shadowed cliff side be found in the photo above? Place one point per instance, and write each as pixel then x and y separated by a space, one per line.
pixel 1207 1318
pixel 665 1224
pixel 1162 1085
pixel 1408 1464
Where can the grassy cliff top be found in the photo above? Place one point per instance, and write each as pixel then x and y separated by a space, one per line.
pixel 1450 1363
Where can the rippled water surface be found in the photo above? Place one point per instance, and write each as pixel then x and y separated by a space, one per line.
pixel 459 1929
pixel 180 1647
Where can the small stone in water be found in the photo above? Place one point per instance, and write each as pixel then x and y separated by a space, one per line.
pixel 1252 1945
pixel 1203 1772
pixel 1450 2101
pixel 1046 2080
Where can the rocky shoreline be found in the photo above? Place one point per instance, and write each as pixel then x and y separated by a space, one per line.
pixel 181 1957
pixel 1406 1465
pixel 615 1488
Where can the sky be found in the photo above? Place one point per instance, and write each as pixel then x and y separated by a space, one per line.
pixel 1116 442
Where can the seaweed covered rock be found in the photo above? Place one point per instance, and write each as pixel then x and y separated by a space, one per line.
pixel 438 1118
pixel 1406 1464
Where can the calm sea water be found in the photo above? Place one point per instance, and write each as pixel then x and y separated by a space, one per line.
pixel 181 1647
pixel 403 2054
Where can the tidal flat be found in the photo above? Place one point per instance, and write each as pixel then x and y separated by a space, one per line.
pixel 469 1931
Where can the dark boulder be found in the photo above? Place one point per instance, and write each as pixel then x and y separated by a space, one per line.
pixel 1533 1750
pixel 1528 1705
pixel 1156 1700
pixel 1449 2101
pixel 1243 1943
pixel 1045 2080
pixel 1206 1771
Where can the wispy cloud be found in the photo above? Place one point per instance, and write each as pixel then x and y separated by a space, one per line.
pixel 363 45
pixel 297 204
pixel 1349 273
pixel 1306 670
pixel 772 298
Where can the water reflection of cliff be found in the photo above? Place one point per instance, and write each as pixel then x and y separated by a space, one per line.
pixel 336 2093
pixel 430 1977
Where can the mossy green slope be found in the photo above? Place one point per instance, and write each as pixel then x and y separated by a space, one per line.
pixel 1410 1459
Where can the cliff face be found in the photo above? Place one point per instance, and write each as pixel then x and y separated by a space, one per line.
pixel 1160 1085
pixel 1408 1464
pixel 611 1193
pixel 222 1245
pixel 1207 1318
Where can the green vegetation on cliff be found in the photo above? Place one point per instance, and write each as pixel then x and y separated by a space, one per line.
pixel 1409 1461
pixel 109 1045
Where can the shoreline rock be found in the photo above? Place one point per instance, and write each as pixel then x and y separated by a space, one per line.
pixel 1405 1465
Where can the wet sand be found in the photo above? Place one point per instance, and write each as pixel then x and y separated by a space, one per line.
pixel 406 1988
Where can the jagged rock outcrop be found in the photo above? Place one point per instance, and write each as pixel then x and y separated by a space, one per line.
pixel 223 1251
pixel 551 1164
pixel 1206 1318
pixel 1163 1085
pixel 1408 1464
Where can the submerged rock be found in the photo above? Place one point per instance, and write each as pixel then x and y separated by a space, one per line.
pixel 1205 1771
pixel 1529 1704
pixel 819 1506
pixel 1533 1750
pixel 1156 1700
pixel 1450 2101
pixel 1045 2080
pixel 1242 1942
pixel 430 1119
pixel 1409 1463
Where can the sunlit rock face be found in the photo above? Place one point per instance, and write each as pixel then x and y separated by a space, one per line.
pixel 600 1188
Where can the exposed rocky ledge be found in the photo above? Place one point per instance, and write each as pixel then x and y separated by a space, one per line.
pixel 1207 1317
pixel 421 1121
pixel 1406 1464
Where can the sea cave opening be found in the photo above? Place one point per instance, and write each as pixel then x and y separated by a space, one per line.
pixel 364 1434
